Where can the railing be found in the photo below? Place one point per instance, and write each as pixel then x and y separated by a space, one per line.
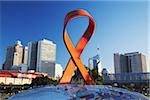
pixel 127 77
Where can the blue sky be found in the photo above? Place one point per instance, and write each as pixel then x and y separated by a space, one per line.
pixel 120 27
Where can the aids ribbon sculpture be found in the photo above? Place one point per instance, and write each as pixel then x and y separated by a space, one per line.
pixel 75 52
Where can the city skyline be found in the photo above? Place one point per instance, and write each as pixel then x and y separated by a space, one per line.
pixel 118 30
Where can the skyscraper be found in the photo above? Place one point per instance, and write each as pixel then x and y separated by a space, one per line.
pixel 120 63
pixel 42 56
pixel 25 55
pixel 32 55
pixel 130 62
pixel 15 55
pixel 46 57
pixel 58 71
pixel 93 62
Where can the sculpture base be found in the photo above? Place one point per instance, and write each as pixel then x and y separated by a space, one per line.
pixel 73 91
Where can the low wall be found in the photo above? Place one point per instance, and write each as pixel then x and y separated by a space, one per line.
pixel 14 81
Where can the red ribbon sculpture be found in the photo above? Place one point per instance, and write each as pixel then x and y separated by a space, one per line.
pixel 76 52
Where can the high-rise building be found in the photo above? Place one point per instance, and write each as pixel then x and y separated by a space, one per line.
pixel 32 55
pixel 46 57
pixel 15 55
pixel 58 71
pixel 42 56
pixel 25 55
pixel 93 62
pixel 120 63
pixel 130 62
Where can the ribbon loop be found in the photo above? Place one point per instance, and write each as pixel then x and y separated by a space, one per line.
pixel 75 53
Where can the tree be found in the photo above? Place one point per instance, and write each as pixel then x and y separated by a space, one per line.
pixel 98 80
pixel 43 81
